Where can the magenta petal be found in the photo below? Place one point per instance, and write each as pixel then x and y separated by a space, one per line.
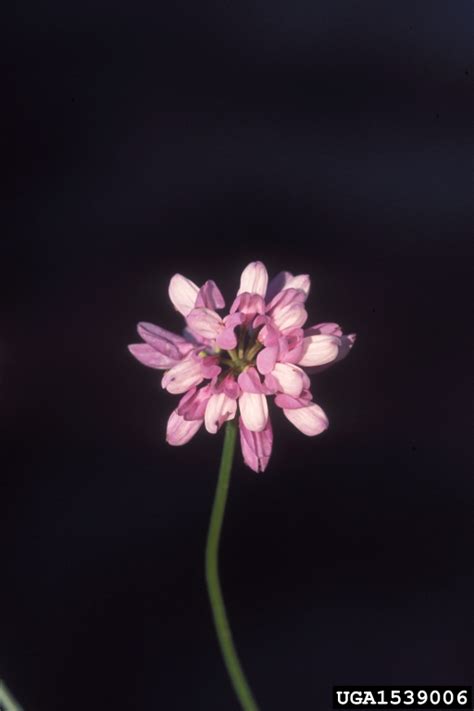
pixel 179 431
pixel 160 339
pixel 210 296
pixel 266 359
pixel 285 298
pixel 288 402
pixel 205 322
pixel 231 387
pixel 269 334
pixel 256 446
pixel 227 339
pixel 329 328
pixel 248 304
pixel 271 384
pixel 147 355
pixel 209 367
pixel 250 381
pixel 192 405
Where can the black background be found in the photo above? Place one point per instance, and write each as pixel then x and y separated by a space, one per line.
pixel 144 139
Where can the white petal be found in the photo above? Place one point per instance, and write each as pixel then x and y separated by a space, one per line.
pixel 179 431
pixel 219 409
pixel 301 281
pixel 319 349
pixel 183 293
pixel 291 316
pixel 254 279
pixel 254 411
pixel 290 378
pixel 182 376
pixel 310 420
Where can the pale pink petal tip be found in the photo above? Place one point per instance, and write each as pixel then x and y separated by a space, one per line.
pixel 310 420
pixel 320 349
pixel 210 296
pixel 254 279
pixel 256 446
pixel 179 431
pixel 182 376
pixel 183 294
pixel 220 408
pixel 254 410
pixel 150 357
pixel 204 322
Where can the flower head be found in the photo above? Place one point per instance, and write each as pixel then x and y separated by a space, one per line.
pixel 225 367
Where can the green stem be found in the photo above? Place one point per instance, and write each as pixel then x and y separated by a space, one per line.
pixel 221 622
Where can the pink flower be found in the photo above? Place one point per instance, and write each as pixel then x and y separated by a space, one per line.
pixel 226 367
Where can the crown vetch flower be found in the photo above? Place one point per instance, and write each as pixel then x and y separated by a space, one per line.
pixel 225 365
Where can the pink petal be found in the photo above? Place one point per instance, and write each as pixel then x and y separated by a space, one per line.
pixel 271 384
pixel 254 279
pixel 310 420
pixel 209 367
pixel 248 304
pixel 182 376
pixel 289 317
pixel 151 357
pixel 277 284
pixel 205 323
pixel 319 349
pixel 291 346
pixel 227 339
pixel 345 346
pixel 183 294
pixel 179 431
pixel 266 359
pixel 286 280
pixel 231 387
pixel 250 381
pixel 256 446
pixel 288 402
pixel 269 334
pixel 158 338
pixel 285 298
pixel 220 408
pixel 254 411
pixel 192 405
pixel 210 296
pixel 332 329
pixel 301 281
pixel 290 378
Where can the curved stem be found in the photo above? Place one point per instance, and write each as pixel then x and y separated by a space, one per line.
pixel 221 622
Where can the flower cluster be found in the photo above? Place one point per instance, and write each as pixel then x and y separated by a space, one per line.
pixel 221 365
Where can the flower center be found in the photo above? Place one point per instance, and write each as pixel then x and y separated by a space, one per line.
pixel 245 353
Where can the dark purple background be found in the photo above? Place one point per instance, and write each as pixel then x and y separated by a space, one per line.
pixel 332 138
